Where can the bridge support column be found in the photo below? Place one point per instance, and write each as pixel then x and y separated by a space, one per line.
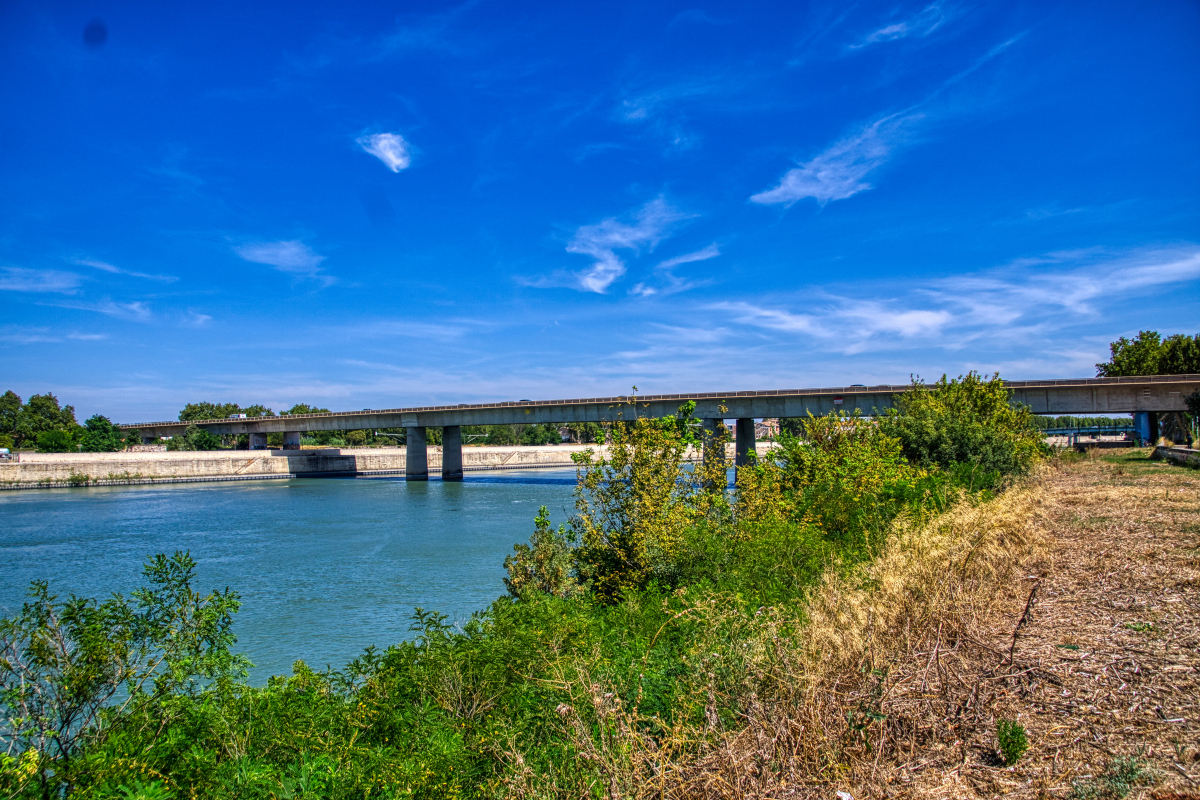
pixel 291 440
pixel 1145 426
pixel 452 468
pixel 258 441
pixel 416 457
pixel 744 443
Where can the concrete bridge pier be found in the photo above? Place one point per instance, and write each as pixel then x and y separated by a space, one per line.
pixel 1145 426
pixel 258 441
pixel 416 457
pixel 744 441
pixel 452 465
pixel 291 440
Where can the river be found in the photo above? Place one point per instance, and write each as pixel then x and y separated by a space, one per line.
pixel 325 567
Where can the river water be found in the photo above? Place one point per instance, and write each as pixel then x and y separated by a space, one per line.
pixel 325 567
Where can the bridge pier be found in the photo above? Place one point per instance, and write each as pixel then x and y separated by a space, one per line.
pixel 744 442
pixel 291 440
pixel 258 441
pixel 416 456
pixel 452 464
pixel 1145 426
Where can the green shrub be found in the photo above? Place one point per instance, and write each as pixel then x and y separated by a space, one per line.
pixel 1013 742
pixel 968 420
pixel 55 442
pixel 1122 775
pixel 101 436
pixel 195 438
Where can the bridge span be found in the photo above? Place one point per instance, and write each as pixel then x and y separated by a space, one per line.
pixel 1144 397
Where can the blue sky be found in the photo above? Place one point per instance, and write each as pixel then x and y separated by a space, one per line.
pixel 375 206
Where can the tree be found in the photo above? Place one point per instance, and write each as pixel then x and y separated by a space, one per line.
pixel 195 438
pixel 199 411
pixel 55 442
pixel 70 669
pixel 42 414
pixel 304 408
pixel 969 420
pixel 10 412
pixel 1150 354
pixel 101 436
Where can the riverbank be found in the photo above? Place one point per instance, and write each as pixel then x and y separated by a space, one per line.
pixel 65 470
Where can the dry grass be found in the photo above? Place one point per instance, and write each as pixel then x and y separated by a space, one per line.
pixel 1068 604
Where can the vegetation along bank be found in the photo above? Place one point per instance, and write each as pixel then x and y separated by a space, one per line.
pixel 912 605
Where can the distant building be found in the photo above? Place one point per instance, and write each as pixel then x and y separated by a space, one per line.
pixel 768 429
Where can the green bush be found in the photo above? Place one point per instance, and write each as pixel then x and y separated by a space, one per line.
pixel 55 442
pixel 101 436
pixel 195 438
pixel 1012 739
pixel 1122 775
pixel 969 420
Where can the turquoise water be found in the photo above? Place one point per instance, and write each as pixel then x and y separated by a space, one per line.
pixel 325 567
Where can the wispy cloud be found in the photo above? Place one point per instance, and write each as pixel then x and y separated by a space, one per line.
pixel 667 282
pixel 652 223
pixel 841 170
pixel 920 25
pixel 21 279
pixel 292 256
pixel 104 266
pixel 136 311
pixel 390 148
pixel 1031 297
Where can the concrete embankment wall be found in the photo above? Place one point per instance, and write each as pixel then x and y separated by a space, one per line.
pixel 52 470
pixel 1180 455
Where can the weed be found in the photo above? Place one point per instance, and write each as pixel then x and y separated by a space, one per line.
pixel 1119 779
pixel 77 478
pixel 1013 742
pixel 1140 627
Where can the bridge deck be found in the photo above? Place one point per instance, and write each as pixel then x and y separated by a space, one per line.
pixel 1064 396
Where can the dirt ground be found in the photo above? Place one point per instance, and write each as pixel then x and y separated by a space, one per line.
pixel 1104 635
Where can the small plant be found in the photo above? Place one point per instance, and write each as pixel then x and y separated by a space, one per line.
pixel 77 478
pixel 1140 627
pixel 1012 739
pixel 1119 779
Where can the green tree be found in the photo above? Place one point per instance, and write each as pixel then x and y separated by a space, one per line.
pixel 70 669
pixel 501 435
pixel 304 408
pixel 1150 354
pixel 195 438
pixel 199 411
pixel 55 442
pixel 10 412
pixel 969 420
pixel 101 436
pixel 42 414
pixel 540 434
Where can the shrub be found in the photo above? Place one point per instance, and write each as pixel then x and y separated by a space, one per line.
pixel 969 420
pixel 546 564
pixel 55 442
pixel 1120 777
pixel 101 436
pixel 1012 739
pixel 195 438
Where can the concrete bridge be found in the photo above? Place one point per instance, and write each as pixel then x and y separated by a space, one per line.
pixel 1144 397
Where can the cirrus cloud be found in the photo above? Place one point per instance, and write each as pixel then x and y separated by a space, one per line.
pixel 390 148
